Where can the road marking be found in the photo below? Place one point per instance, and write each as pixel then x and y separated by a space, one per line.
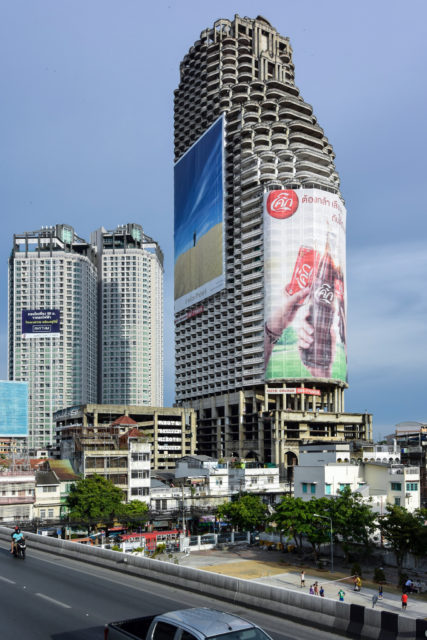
pixel 7 580
pixel 61 604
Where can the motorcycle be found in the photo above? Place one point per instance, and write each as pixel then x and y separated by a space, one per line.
pixel 19 549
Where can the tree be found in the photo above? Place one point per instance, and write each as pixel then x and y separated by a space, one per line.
pixel 93 500
pixel 133 513
pixel 295 517
pixel 353 520
pixel 246 513
pixel 404 531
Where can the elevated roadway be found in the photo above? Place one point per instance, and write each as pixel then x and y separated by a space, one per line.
pixel 54 597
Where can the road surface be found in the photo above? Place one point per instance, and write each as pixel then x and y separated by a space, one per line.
pixel 51 597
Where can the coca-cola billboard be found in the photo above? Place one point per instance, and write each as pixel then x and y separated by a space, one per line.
pixel 305 290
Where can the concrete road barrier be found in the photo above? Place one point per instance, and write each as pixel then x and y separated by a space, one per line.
pixel 349 619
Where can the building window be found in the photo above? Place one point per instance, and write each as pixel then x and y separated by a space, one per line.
pixel 396 486
pixel 304 487
pixel 49 489
pixel 42 513
pixel 50 513
pixel 313 488
pixel 140 491
pixel 328 489
pixel 397 502
pixel 412 486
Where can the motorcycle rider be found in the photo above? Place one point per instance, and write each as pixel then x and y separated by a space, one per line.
pixel 16 530
pixel 16 536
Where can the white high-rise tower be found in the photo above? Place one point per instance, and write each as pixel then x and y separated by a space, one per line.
pixel 52 324
pixel 130 274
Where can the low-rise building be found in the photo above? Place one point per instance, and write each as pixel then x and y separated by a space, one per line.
pixel 17 494
pixel 47 504
pixel 119 452
pixel 411 438
pixel 171 431
pixel 326 469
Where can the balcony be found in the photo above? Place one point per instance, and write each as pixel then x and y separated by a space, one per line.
pixel 16 500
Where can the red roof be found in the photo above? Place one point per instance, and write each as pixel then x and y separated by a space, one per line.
pixel 124 420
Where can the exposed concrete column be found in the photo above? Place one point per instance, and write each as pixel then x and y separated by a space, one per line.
pixel 241 414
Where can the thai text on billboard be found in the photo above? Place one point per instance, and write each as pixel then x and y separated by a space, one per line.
pixel 13 409
pixel 305 285
pixel 40 322
pixel 199 219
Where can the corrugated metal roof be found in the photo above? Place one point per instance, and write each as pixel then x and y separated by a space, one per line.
pixel 63 470
pixel 46 477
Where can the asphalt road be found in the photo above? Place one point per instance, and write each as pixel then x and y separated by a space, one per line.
pixel 51 597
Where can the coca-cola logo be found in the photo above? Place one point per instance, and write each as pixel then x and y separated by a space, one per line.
pixel 282 204
pixel 303 275
pixel 325 294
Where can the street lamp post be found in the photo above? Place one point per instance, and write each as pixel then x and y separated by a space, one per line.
pixel 317 515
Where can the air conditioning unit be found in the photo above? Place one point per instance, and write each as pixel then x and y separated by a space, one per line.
pixel 407 495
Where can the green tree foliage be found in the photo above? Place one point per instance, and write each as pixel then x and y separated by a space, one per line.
pixel 353 520
pixel 133 513
pixel 295 518
pixel 405 532
pixel 246 513
pixel 94 499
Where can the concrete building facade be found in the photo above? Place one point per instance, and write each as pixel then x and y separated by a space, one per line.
pixel 170 431
pixel 53 269
pixel 130 276
pixel 105 299
pixel 243 69
pixel 326 469
pixel 17 495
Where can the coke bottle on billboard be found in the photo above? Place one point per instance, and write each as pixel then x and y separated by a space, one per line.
pixel 339 294
pixel 318 354
pixel 304 270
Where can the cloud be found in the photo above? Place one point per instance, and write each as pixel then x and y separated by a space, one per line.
pixel 387 310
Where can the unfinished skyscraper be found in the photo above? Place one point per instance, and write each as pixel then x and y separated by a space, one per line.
pixel 259 232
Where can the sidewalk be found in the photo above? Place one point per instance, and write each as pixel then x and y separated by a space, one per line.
pixel 251 564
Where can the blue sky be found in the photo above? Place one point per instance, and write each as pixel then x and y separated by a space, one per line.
pixel 87 139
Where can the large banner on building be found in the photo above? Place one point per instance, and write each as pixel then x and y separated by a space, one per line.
pixel 199 219
pixel 39 322
pixel 305 285
pixel 13 409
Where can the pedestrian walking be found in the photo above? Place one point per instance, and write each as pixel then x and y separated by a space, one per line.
pixel 358 583
pixel 404 600
pixel 311 590
pixel 316 589
pixel 374 600
pixel 322 592
pixel 341 594
pixel 302 575
pixel 380 592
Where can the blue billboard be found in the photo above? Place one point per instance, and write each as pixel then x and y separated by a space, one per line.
pixel 199 219
pixel 13 409
pixel 38 322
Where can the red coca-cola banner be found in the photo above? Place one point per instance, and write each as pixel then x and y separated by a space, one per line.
pixel 305 293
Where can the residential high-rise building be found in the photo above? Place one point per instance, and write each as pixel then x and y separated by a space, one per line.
pixel 130 275
pixel 259 252
pixel 52 324
pixel 85 321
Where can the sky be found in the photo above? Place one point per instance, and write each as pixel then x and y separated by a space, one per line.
pixel 86 138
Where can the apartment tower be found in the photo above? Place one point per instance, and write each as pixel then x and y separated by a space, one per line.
pixel 130 277
pixel 85 321
pixel 52 324
pixel 237 86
